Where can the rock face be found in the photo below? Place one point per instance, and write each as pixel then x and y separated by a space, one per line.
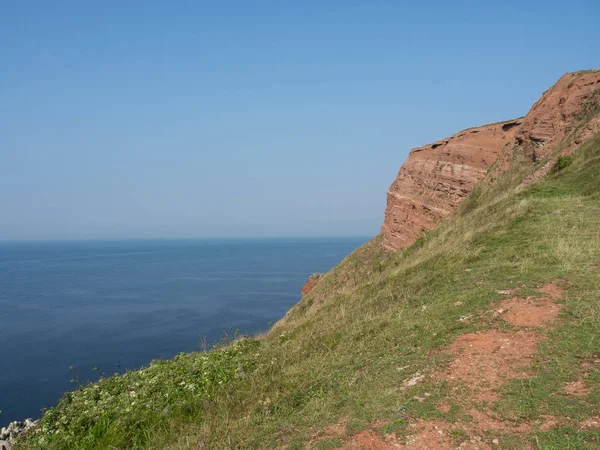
pixel 437 177
pixel 9 434
pixel 559 111
pixel 310 283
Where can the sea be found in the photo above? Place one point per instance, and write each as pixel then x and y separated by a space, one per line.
pixel 71 312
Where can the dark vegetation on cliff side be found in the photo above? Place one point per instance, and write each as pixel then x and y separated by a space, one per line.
pixel 393 349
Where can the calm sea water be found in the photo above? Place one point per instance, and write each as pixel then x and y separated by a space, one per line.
pixel 118 305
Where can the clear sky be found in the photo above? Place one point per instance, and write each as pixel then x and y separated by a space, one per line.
pixel 253 118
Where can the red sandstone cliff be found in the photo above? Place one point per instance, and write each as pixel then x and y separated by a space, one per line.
pixel 437 177
pixel 310 283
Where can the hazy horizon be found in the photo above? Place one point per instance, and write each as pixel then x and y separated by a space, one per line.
pixel 186 238
pixel 237 119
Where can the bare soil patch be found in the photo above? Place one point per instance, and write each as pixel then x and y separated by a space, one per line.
pixel 552 290
pixel 444 406
pixel 429 434
pixel 590 424
pixel 370 440
pixel 485 360
pixel 577 388
pixel 531 311
pixel 591 365
pixel 549 423
pixel 336 430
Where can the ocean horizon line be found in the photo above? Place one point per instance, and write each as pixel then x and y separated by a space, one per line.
pixel 207 238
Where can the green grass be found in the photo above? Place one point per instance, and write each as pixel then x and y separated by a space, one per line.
pixel 371 323
pixel 561 163
pixel 124 410
pixel 568 438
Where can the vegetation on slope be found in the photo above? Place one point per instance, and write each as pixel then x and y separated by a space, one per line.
pixel 344 354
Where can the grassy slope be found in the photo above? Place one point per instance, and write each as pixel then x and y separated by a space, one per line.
pixel 338 351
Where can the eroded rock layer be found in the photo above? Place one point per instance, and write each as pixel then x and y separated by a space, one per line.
pixel 310 283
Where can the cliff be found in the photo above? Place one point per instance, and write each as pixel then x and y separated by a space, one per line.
pixel 310 283
pixel 436 177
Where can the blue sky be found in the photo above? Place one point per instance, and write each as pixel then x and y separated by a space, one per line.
pixel 253 118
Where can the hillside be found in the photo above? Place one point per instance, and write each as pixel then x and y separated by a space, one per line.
pixel 482 332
